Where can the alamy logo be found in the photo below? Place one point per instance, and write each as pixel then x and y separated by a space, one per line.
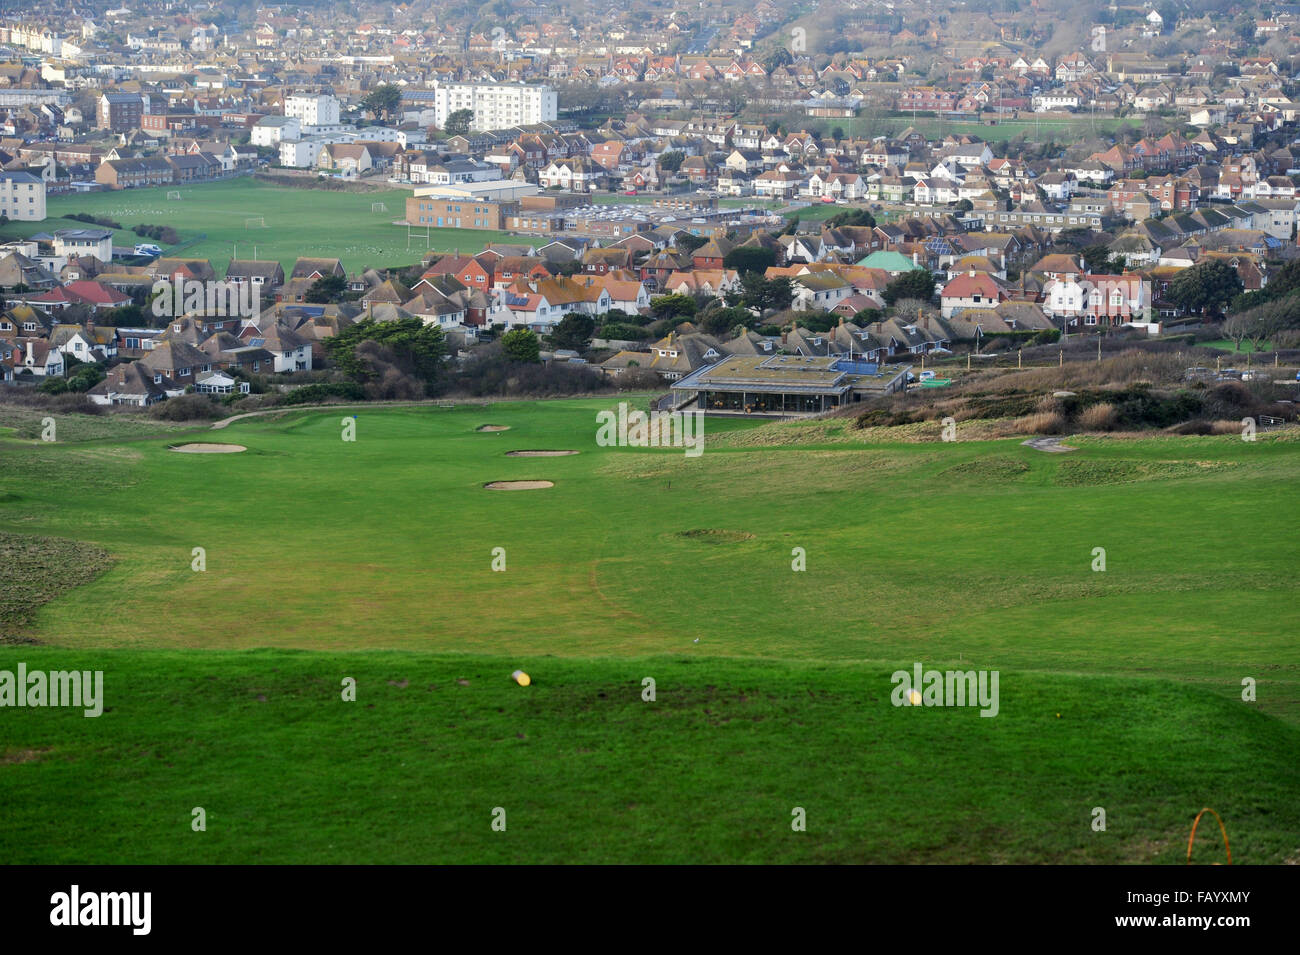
pixel 658 429
pixel 82 688
pixel 184 296
pixel 951 688
pixel 103 908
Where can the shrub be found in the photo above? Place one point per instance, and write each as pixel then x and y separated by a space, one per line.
pixel 185 408
pixel 76 403
pixel 310 394
pixel 1045 422
pixel 639 379
pixel 1225 427
pixel 1100 417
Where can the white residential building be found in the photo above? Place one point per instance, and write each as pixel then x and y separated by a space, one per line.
pixel 300 153
pixel 272 130
pixel 495 105
pixel 22 196
pixel 313 109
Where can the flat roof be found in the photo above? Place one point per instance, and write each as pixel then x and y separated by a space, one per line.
pixel 793 374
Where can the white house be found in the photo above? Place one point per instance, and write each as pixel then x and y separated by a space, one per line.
pixel 79 242
pixel 300 153
pixel 271 130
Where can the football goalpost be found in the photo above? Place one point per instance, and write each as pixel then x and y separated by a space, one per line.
pixel 174 194
pixel 255 222
pixel 378 207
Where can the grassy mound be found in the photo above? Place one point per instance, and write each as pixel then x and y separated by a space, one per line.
pixel 586 770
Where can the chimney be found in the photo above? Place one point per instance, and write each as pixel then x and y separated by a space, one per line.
pixel 915 260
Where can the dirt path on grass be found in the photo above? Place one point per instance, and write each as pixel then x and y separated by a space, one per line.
pixel 1051 445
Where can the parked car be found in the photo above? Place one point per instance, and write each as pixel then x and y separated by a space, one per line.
pixel 146 248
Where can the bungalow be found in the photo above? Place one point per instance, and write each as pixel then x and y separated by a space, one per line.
pixel 130 384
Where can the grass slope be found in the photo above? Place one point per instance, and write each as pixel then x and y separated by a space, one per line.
pixel 968 554
pixel 587 771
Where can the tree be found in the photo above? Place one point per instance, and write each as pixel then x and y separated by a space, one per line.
pixel 672 160
pixel 964 205
pixel 85 377
pixel 383 100
pixel 458 122
pixel 521 345
pixel 1205 288
pixel 780 57
pixel 325 289
pixel 719 321
pixel 762 293
pixel 858 217
pixel 749 258
pixel 917 283
pixel 574 331
pixel 686 242
pixel 672 306
pixel 409 346
pixel 1096 257
pixel 1235 330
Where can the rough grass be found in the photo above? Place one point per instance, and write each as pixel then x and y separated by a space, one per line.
pixel 23 422
pixel 38 570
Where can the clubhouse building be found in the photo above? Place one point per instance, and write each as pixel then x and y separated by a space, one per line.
pixel 785 385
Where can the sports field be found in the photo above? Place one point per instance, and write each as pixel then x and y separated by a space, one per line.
pixel 373 559
pixel 296 222
pixel 1077 128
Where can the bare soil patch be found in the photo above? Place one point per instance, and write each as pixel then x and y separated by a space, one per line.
pixel 518 485
pixel 538 454
pixel 493 427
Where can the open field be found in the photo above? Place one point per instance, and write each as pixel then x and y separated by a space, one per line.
pixel 299 222
pixel 1227 344
pixel 374 559
pixel 1079 127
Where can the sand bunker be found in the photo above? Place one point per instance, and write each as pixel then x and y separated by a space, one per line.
pixel 209 448
pixel 493 427
pixel 517 485
pixel 538 454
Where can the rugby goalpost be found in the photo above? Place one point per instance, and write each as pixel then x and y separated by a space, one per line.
pixel 255 222
pixel 428 237
pixel 174 194
pixel 378 207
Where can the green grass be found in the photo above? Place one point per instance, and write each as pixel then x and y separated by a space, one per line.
pixel 1226 344
pixel 374 559
pixel 586 771
pixel 1074 129
pixel 299 222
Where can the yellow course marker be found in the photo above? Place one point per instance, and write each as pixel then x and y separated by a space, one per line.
pixel 522 678
pixel 914 697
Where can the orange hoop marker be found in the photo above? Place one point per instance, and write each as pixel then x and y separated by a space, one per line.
pixel 1192 838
